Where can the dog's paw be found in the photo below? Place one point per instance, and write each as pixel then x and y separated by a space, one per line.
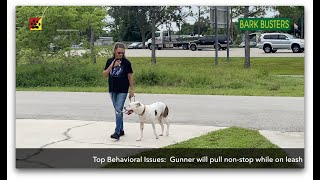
pixel 139 139
pixel 157 137
pixel 167 134
pixel 160 134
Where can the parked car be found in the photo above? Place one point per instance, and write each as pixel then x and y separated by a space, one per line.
pixel 209 42
pixel 252 38
pixel 145 45
pixel 135 45
pixel 271 42
pixel 54 47
pixel 252 44
pixel 77 45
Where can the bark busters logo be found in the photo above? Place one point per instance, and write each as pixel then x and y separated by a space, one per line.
pixel 35 24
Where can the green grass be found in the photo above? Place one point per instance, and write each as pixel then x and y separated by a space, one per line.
pixel 233 137
pixel 172 76
pixel 233 142
pixel 285 91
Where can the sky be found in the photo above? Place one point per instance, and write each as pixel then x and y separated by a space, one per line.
pixel 192 19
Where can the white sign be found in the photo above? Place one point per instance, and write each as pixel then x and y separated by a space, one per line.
pixel 221 16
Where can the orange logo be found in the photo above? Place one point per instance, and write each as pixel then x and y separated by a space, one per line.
pixel 35 24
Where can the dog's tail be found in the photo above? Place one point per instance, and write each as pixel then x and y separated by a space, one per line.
pixel 166 112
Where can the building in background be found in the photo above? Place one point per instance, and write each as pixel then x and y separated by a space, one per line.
pixel 103 41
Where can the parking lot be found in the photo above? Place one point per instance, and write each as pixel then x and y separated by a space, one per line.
pixel 234 52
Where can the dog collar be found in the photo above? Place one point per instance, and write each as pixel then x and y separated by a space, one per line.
pixel 144 110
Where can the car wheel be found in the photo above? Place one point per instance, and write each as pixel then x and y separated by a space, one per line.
pixel 193 47
pixel 219 47
pixel 295 48
pixel 267 48
pixel 185 47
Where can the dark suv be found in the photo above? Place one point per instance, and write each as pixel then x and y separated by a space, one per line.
pixel 209 42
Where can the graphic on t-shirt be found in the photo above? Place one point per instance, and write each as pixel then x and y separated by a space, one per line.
pixel 117 71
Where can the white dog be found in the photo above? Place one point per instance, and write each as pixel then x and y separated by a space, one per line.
pixel 150 114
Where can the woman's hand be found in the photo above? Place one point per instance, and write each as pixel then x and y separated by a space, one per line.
pixel 117 62
pixel 105 73
pixel 131 94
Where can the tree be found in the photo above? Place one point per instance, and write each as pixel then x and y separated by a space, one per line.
pixel 246 12
pixel 91 18
pixel 132 24
pixel 157 14
pixel 145 19
pixel 62 26
pixel 125 22
pixel 200 21
pixel 238 11
pixel 247 42
pixel 142 22
pixel 296 15
pixel 178 15
pixel 186 28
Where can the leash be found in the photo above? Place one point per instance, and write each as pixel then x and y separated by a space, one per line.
pixel 134 98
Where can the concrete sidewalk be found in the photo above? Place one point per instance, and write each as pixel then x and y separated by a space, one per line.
pixel 32 133
pixel 94 135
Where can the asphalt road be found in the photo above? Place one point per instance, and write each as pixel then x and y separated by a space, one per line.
pixel 284 114
pixel 234 52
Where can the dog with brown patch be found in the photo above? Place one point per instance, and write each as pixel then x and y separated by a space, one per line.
pixel 156 112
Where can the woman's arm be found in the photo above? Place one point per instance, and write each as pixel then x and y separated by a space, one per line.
pixel 131 84
pixel 106 72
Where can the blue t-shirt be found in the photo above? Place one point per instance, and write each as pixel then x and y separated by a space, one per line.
pixel 118 77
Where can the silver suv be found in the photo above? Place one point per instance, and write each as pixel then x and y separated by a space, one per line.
pixel 271 42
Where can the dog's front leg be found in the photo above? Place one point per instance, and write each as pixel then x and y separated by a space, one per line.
pixel 141 131
pixel 154 130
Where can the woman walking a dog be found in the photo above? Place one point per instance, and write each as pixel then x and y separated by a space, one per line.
pixel 119 70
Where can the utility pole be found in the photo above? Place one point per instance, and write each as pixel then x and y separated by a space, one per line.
pixel 199 22
pixel 228 32
pixel 153 53
pixel 93 56
pixel 247 41
pixel 302 21
pixel 216 33
pixel 231 24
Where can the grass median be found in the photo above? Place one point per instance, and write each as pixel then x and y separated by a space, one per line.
pixel 232 147
pixel 173 76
